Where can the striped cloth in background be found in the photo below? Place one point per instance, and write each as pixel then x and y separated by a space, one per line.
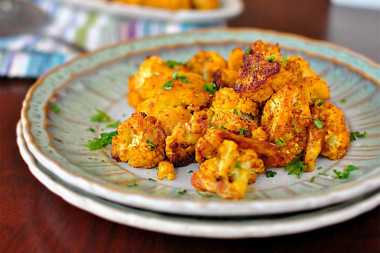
pixel 32 55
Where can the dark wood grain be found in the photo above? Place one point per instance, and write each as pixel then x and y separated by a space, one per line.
pixel 33 219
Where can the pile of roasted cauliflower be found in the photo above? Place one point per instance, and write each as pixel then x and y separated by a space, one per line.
pixel 235 118
pixel 175 4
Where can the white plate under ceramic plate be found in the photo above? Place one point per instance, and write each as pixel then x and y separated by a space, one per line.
pixel 239 227
pixel 228 9
pixel 98 80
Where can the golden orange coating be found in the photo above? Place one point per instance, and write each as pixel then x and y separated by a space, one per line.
pixel 286 116
pixel 206 63
pixel 233 111
pixel 205 4
pixel 311 84
pixel 207 147
pixel 332 139
pixel 180 146
pixel 165 169
pixel 225 78
pixel 140 141
pixel 235 60
pixel 230 172
pixel 165 4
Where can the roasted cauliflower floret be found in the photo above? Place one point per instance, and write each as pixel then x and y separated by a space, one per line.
pixel 261 63
pixel 225 78
pixel 311 84
pixel 286 116
pixel 207 147
pixel 235 60
pixel 140 141
pixel 328 134
pixel 230 172
pixel 206 63
pixel 233 111
pixel 165 169
pixel 180 146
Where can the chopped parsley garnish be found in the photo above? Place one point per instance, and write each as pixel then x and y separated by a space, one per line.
pixel 205 195
pixel 252 117
pixel 312 179
pixel 91 129
pixel 183 78
pixel 238 165
pixel 279 142
pixel 104 140
pixel 222 127
pixel 211 87
pixel 318 123
pixel 243 131
pixel 248 50
pixel 270 173
pixel 231 174
pixel 55 108
pixel 271 59
pixel 100 116
pixel 319 168
pixel 314 99
pixel 285 59
pixel 190 171
pixel 181 192
pixel 134 184
pixel 168 85
pixel 343 100
pixel 175 75
pixel 254 69
pixel 235 111
pixel 212 127
pixel 320 103
pixel 151 144
pixel 113 125
pixel 296 166
pixel 353 135
pixel 345 173
pixel 151 179
pixel 172 64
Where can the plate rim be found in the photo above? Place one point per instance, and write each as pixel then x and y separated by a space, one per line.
pixel 196 228
pixel 166 205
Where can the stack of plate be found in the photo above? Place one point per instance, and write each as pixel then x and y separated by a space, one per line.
pixel 53 144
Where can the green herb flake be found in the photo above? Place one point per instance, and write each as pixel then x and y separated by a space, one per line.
pixel 175 75
pixel 235 111
pixel 231 174
pixel 319 168
pixel 182 192
pixel 172 64
pixel 205 195
pixel 151 144
pixel 55 108
pixel 271 59
pixel 248 50
pixel 151 179
pixel 343 101
pixel 100 116
pixel 270 173
pixel 320 103
pixel 254 69
pixel 345 173
pixel 211 87
pixel 285 59
pixel 243 131
pixel 168 85
pixel 134 184
pixel 353 135
pixel 238 165
pixel 296 166
pixel 252 117
pixel 113 125
pixel 279 142
pixel 190 171
pixel 212 127
pixel 314 99
pixel 318 123
pixel 222 127
pixel 104 140
pixel 91 129
pixel 312 179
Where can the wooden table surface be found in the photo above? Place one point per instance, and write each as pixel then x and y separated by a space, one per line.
pixel 35 220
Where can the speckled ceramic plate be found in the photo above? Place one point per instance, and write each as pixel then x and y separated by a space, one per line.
pixel 99 80
pixel 227 10
pixel 235 227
